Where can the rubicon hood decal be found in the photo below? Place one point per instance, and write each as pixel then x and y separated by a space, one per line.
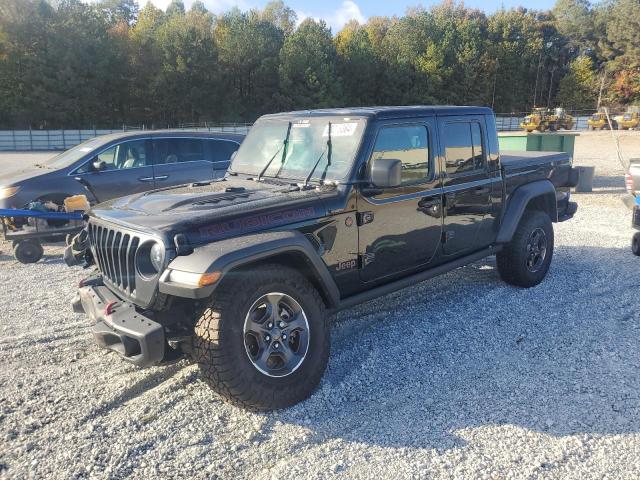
pixel 255 223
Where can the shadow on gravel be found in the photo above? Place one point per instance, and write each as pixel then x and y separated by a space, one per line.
pixel 612 182
pixel 52 259
pixel 156 377
pixel 418 368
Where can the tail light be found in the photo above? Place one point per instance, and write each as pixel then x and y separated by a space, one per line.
pixel 628 181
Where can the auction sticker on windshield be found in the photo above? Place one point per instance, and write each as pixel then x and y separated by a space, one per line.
pixel 341 129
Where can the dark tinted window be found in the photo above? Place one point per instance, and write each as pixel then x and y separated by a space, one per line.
pixel 463 147
pixel 178 150
pixel 410 145
pixel 476 136
pixel 221 150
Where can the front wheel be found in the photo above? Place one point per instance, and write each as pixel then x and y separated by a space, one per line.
pixel 262 342
pixel 525 260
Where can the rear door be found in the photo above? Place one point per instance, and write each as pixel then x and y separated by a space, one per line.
pixel 467 185
pixel 220 152
pixel 127 168
pixel 181 160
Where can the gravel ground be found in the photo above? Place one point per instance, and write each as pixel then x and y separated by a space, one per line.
pixel 458 377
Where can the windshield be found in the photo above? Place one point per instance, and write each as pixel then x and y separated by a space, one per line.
pixel 596 116
pixel 307 143
pixel 69 157
pixel 627 116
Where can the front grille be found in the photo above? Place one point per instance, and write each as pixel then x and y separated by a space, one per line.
pixel 115 254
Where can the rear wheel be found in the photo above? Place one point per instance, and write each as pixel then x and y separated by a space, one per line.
pixel 635 244
pixel 525 260
pixel 262 342
pixel 28 251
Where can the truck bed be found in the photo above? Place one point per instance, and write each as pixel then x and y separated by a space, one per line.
pixel 520 168
pixel 518 160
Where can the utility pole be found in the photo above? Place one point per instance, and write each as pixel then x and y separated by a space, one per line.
pixel 604 75
pixel 495 79
pixel 550 87
pixel 535 90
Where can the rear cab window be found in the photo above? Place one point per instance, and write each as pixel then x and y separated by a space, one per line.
pixel 464 152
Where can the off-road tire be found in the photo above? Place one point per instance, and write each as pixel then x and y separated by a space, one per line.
pixel 219 348
pixel 512 260
pixel 28 251
pixel 635 244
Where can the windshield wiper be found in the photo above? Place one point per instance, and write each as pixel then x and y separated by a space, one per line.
pixel 283 146
pixel 326 149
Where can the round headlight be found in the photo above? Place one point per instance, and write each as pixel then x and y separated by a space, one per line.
pixel 150 259
pixel 156 255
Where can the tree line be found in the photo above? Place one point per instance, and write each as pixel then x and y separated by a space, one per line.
pixel 77 65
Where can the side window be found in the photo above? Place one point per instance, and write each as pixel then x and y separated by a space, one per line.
pixel 221 150
pixel 478 153
pixel 410 145
pixel 463 147
pixel 178 150
pixel 122 156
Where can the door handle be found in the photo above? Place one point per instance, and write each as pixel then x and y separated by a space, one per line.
pixel 145 179
pixel 162 177
pixel 430 206
pixel 481 190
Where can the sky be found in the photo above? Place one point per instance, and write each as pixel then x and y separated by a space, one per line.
pixel 338 12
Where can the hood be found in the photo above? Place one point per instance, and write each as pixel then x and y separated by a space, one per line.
pixel 220 209
pixel 14 177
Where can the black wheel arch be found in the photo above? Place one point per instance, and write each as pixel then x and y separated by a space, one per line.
pixel 538 195
pixel 287 248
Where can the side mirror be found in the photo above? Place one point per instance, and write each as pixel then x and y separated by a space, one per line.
pixel 98 165
pixel 386 172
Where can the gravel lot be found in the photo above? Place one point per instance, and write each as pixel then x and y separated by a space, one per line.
pixel 457 377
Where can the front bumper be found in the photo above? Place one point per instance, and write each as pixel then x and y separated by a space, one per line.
pixel 119 327
pixel 569 212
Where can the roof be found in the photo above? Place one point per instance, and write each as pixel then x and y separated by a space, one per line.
pixel 390 112
pixel 172 133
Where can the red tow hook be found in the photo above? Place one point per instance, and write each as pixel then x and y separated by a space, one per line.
pixel 110 308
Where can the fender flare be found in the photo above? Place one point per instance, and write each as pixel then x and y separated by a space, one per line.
pixel 226 255
pixel 518 202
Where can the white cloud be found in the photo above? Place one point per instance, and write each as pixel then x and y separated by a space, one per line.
pixel 215 6
pixel 349 10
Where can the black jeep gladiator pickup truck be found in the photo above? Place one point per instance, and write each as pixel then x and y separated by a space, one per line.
pixel 320 210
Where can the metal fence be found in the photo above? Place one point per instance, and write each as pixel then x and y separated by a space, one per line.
pixel 34 140
pixel 508 122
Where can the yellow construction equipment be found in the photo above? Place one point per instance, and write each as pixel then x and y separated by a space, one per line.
pixel 631 119
pixel 543 119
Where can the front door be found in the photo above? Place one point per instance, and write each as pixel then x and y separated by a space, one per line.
pixel 125 169
pixel 400 228
pixel 467 185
